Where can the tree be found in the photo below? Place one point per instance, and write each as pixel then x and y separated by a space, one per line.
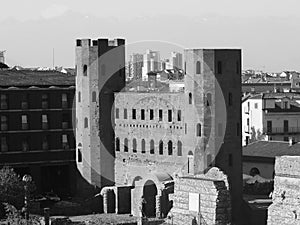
pixel 11 187
pixel 256 135
pixel 3 66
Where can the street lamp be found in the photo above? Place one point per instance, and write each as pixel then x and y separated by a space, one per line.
pixel 26 179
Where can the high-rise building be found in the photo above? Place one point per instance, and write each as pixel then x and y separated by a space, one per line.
pixel 151 63
pixel 136 66
pixel 175 61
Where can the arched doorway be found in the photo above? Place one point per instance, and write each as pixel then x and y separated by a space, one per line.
pixel 149 193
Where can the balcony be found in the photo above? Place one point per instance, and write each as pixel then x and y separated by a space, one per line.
pixel 282 130
pixel 247 129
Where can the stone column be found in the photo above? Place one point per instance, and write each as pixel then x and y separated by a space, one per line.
pixel 105 201
pixel 158 204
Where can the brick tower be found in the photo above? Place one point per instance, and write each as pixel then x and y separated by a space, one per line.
pixel 100 72
pixel 213 115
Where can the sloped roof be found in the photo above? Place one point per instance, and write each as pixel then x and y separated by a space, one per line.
pixel 271 149
pixel 25 78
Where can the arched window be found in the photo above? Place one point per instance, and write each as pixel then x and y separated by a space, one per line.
pixel 134 145
pixel 86 122
pixel 79 96
pixel 103 70
pixel 190 98
pixel 151 147
pixel 85 70
pixel 190 164
pixel 125 145
pixel 117 144
pixel 230 98
pixel 198 130
pixel 170 148
pixel 161 148
pixel 254 171
pixel 143 146
pixel 94 96
pixel 198 67
pixel 208 99
pixel 179 148
pixel 79 155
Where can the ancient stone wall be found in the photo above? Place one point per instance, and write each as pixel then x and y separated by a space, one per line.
pixel 285 208
pixel 214 201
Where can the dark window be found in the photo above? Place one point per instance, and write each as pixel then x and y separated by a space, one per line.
pixel 184 67
pixel 86 122
pixel 151 147
pixel 170 148
pixel 151 114
pixel 285 104
pixel 190 98
pixel 230 98
pixel 198 131
pixel 143 146
pixel 4 125
pixel 230 160
pixel 84 70
pixel 208 99
pixel 219 67
pixel 79 155
pixel 160 112
pixel 179 115
pixel 117 113
pixel 161 148
pixel 94 96
pixel 125 114
pixel 3 103
pixel 142 114
pixel 269 126
pixel 185 128
pixel 169 115
pixel 198 67
pixel 44 101
pixel 125 145
pixel 117 144
pixel 179 148
pixel 134 149
pixel 255 105
pixel 133 114
pixel 79 96
pixel 285 126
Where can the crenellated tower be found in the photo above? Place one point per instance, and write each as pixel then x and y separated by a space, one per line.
pixel 100 72
pixel 213 114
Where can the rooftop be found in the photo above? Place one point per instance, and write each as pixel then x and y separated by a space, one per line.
pixel 271 149
pixel 26 78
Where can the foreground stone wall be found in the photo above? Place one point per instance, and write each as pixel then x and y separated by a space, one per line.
pixel 285 208
pixel 214 205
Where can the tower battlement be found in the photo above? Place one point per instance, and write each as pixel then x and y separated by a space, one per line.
pixel 100 42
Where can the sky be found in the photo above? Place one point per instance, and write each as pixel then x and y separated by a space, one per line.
pixel 267 32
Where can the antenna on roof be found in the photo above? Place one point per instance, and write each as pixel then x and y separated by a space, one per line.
pixel 53 59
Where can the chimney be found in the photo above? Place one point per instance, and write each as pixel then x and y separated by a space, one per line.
pixel 291 141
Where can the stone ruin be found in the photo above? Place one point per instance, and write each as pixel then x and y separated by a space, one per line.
pixel 285 209
pixel 202 199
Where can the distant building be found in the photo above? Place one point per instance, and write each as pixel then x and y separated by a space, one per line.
pixel 151 62
pixel 175 60
pixel 2 58
pixel 262 154
pixel 136 66
pixel 271 116
pixel 36 133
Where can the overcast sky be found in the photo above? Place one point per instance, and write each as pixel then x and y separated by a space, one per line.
pixel 267 31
